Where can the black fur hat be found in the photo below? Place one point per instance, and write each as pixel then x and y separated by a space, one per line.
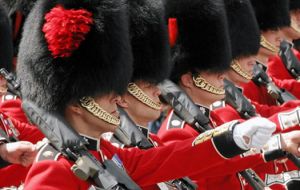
pixel 19 5
pixel 149 40
pixel 294 4
pixel 271 14
pixel 243 28
pixel 6 44
pixel 203 40
pixel 101 63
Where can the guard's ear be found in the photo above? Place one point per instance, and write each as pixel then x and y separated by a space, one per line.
pixel 186 80
pixel 123 101
pixel 75 108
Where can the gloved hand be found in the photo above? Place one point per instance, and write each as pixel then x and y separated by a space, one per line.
pixel 253 133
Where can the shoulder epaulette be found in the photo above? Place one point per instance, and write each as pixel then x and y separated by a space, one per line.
pixel 8 97
pixel 217 105
pixel 46 152
pixel 175 121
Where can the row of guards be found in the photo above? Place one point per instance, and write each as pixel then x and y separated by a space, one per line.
pixel 83 80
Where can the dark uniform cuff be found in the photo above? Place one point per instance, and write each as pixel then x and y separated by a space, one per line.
pixel 224 142
pixel 273 149
pixel 222 138
pixel 3 163
pixel 273 155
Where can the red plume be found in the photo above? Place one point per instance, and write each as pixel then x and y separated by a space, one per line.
pixel 66 29
pixel 173 31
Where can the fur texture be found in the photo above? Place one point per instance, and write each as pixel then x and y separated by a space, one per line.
pixel 22 5
pixel 203 40
pixel 6 44
pixel 243 28
pixel 102 64
pixel 271 14
pixel 149 40
pixel 294 4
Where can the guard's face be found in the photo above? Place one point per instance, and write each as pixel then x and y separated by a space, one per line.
pixel 274 37
pixel 141 113
pixel 293 32
pixel 215 79
pixel 107 103
pixel 246 64
pixel 295 16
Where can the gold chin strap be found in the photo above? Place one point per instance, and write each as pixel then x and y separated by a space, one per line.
pixel 138 93
pixel 238 69
pixel 264 43
pixel 295 26
pixel 204 85
pixel 91 106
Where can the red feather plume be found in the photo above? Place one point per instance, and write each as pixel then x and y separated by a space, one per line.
pixel 173 31
pixel 66 29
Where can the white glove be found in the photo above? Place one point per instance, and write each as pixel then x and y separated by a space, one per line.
pixel 253 133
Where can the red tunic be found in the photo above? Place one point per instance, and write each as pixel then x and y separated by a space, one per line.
pixel 265 105
pixel 14 175
pixel 280 75
pixel 156 142
pixel 225 175
pixel 227 113
pixel 222 175
pixel 12 107
pixel 273 169
pixel 146 167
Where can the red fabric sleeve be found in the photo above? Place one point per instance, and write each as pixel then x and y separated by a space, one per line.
pixel 277 70
pixel 28 132
pixel 53 175
pixel 268 111
pixel 147 167
pixel 13 175
pixel 13 109
pixel 257 94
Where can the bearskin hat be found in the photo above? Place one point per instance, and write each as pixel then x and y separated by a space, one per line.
pixel 243 28
pixel 149 40
pixel 73 48
pixel 271 14
pixel 202 38
pixel 19 5
pixel 294 4
pixel 6 44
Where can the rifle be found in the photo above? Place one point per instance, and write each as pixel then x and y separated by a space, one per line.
pixel 12 84
pixel 185 108
pixel 260 77
pixel 135 137
pixel 67 141
pixel 289 59
pixel 235 98
pixel 130 135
